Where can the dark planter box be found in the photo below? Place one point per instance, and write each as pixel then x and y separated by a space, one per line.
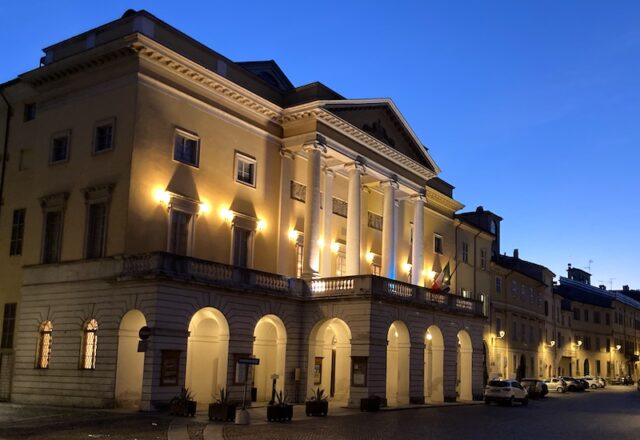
pixel 370 404
pixel 222 411
pixel 278 413
pixel 183 409
pixel 316 408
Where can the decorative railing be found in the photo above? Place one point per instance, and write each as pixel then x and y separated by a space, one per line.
pixel 208 272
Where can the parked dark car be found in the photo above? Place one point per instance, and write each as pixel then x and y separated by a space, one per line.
pixel 584 383
pixel 535 387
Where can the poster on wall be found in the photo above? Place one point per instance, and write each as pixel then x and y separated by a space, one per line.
pixel 359 371
pixel 317 371
pixel 170 367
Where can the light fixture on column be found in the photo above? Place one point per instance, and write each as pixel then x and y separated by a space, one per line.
pixel 369 257
pixel 618 347
pixel 293 235
pixel 579 343
pixel 550 344
pixel 501 334
pixel 429 336
pixel 335 247
pixel 407 267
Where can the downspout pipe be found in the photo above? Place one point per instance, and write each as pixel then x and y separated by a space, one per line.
pixel 5 147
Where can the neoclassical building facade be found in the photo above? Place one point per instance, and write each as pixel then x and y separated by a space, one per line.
pixel 155 184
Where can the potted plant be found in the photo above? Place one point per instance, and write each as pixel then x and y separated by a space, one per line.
pixel 371 403
pixel 317 405
pixel 183 404
pixel 221 409
pixel 281 410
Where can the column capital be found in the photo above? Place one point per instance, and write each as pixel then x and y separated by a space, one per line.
pixel 287 154
pixel 355 165
pixel 420 197
pixel 393 183
pixel 313 146
pixel 328 171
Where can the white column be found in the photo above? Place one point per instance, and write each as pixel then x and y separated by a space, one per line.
pixel 389 232
pixel 355 170
pixel 417 248
pixel 311 251
pixel 284 246
pixel 327 203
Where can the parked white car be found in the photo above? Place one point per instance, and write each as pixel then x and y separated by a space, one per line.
pixel 505 391
pixel 556 384
pixel 592 381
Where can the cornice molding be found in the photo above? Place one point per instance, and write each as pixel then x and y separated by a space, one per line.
pixel 436 198
pixel 160 55
pixel 360 136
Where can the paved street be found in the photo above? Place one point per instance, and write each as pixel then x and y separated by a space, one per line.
pixel 611 413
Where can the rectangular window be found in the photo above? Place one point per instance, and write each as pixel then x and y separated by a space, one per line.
pixel 59 148
pixel 186 148
pixel 530 334
pixel 498 326
pixel 29 111
pixel 607 319
pixel 514 330
pixel 596 317
pixel 597 343
pixel 608 345
pixel 96 230
pixel 103 136
pixel 598 372
pixel 299 259
pixel 586 315
pixel 437 244
pixel 245 170
pixel 241 243
pixel 17 232
pixel 483 259
pixel 52 237
pixel 576 314
pixel 8 325
pixel 341 264
pixel 179 232
pixel 498 285
pixel 465 252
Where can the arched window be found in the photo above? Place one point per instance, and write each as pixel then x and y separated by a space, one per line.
pixel 89 345
pixel 44 345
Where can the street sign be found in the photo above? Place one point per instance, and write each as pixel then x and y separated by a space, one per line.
pixel 249 361
pixel 144 333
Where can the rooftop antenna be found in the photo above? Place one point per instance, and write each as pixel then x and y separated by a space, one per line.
pixel 611 283
pixel 589 266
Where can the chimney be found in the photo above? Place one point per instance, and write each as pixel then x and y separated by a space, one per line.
pixel 603 287
pixel 625 288
pixel 516 254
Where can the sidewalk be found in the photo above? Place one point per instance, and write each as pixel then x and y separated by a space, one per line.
pixel 178 430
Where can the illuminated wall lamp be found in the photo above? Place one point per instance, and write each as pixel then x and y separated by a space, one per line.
pixel 369 257
pixel 261 225
pixel 579 343
pixel 204 208
pixel 501 334
pixel 227 214
pixel 618 347
pixel 429 336
pixel 407 267
pixel 293 235
pixel 162 196
pixel 335 247
pixel 551 344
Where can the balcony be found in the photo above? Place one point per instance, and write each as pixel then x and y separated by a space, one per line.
pixel 179 268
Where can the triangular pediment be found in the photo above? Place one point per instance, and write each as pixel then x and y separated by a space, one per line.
pixel 381 120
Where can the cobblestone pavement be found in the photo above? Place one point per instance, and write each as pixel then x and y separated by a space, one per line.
pixel 610 413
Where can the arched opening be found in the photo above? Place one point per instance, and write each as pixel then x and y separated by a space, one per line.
pixel 207 354
pixel 329 363
pixel 398 352
pixel 464 366
pixel 269 345
pixel 433 365
pixel 130 363
pixel 587 370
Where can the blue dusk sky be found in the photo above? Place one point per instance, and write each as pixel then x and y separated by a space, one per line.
pixel 530 108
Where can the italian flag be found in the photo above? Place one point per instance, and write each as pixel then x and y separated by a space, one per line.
pixel 442 279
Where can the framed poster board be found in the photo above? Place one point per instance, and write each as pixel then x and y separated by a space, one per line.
pixel 169 368
pixel 240 371
pixel 317 371
pixel 359 371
